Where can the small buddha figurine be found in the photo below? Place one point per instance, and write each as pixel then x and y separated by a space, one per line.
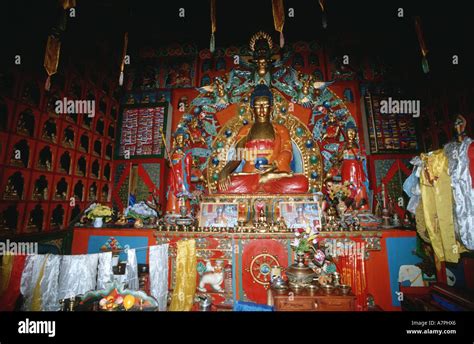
pixel 60 195
pixel 220 86
pixel 261 46
pixel 261 216
pixel 68 140
pixel 333 128
pixel 49 131
pixel 10 190
pixel 44 161
pixel 331 219
pixel 92 193
pixel 195 133
pixel 406 221
pixel 41 189
pixel 25 124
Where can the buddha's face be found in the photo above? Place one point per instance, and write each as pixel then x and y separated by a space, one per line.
pixel 262 109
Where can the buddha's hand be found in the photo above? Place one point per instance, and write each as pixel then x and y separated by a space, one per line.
pixel 265 169
pixel 224 180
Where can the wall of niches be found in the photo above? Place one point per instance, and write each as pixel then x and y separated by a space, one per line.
pixel 48 159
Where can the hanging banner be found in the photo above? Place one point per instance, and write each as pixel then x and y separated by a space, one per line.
pixel 67 4
pixel 124 53
pixel 51 58
pixel 423 48
pixel 212 47
pixel 322 4
pixel 279 19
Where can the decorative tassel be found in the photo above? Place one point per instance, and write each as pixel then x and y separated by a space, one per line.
pixel 67 4
pixel 423 48
pixel 51 58
pixel 279 18
pixel 323 12
pixel 121 79
pixel 47 84
pixel 124 53
pixel 212 45
pixel 425 65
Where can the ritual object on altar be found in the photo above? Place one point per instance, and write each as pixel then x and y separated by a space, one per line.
pixel 140 212
pixel 115 298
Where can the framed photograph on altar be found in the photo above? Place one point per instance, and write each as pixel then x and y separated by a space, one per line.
pixel 301 214
pixel 218 215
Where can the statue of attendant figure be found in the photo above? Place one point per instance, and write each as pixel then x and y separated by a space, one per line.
pixel 179 180
pixel 352 169
pixel 333 129
pixel 270 144
pixel 195 134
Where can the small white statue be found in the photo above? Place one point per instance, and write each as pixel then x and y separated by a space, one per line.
pixel 214 275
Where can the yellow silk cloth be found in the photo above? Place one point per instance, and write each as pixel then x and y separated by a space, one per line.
pixel 7 265
pixel 437 198
pixel 420 223
pixel 36 303
pixel 186 268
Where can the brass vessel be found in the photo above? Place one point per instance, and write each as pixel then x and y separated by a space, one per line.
pixel 299 274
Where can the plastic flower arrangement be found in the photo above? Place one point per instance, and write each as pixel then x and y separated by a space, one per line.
pixel 140 211
pixel 97 210
pixel 305 240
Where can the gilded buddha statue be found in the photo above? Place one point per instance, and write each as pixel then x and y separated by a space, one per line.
pixel 270 143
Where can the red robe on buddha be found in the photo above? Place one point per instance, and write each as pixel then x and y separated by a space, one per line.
pixel 278 151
